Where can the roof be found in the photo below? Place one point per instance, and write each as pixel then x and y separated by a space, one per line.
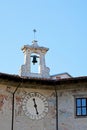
pixel 44 81
pixel 61 74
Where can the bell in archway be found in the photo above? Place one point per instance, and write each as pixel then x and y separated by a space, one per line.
pixel 34 59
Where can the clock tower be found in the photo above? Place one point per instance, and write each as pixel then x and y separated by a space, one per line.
pixel 28 100
pixel 34 58
pixel 34 100
pixel 37 99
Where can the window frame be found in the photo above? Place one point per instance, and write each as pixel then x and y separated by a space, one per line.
pixel 80 107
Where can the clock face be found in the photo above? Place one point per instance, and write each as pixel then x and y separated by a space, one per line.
pixel 35 105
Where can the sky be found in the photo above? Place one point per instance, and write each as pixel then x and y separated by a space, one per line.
pixel 61 26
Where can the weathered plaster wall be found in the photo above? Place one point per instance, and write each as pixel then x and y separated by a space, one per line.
pixel 5 109
pixel 66 110
pixel 66 113
pixel 21 121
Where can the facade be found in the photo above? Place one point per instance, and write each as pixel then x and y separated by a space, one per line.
pixel 38 101
pixel 65 103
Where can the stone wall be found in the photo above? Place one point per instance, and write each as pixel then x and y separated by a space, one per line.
pixel 67 119
pixel 66 106
pixel 21 121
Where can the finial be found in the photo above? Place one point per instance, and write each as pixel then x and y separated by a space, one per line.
pixel 34 30
pixel 34 41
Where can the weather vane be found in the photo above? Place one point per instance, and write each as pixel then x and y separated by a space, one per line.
pixel 34 33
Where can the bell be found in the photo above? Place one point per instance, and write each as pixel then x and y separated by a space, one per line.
pixel 34 59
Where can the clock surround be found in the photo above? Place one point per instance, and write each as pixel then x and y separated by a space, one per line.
pixel 35 105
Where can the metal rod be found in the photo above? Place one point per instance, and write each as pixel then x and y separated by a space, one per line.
pixel 12 112
pixel 13 94
pixel 56 108
pixel 34 30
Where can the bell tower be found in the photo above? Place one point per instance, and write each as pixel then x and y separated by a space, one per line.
pixel 34 54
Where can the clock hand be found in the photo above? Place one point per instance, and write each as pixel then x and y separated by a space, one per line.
pixel 35 105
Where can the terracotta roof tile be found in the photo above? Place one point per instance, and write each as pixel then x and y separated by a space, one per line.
pixel 17 78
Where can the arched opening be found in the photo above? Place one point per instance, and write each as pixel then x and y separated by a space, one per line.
pixel 35 63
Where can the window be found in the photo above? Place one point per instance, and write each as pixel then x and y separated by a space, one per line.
pixel 81 106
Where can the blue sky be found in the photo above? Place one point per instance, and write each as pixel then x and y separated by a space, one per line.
pixel 61 26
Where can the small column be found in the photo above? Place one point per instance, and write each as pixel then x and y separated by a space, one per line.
pixel 42 62
pixel 27 60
